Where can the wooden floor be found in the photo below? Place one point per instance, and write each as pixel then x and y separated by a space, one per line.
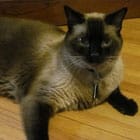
pixel 100 123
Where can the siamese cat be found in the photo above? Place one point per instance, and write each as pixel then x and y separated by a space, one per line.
pixel 48 71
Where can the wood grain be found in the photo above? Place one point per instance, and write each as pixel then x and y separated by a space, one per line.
pixel 100 123
pixel 52 10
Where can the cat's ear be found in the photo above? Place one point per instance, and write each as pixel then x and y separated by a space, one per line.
pixel 116 18
pixel 73 17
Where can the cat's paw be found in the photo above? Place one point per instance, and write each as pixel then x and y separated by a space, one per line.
pixel 122 103
pixel 129 108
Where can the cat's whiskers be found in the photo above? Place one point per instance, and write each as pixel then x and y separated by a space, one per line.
pixel 112 57
pixel 77 64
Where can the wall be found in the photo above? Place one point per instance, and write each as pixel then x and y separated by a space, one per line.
pixel 52 10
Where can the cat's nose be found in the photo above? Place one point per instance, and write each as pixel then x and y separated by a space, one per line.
pixel 94 54
pixel 93 57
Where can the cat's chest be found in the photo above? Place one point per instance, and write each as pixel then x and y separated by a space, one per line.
pixel 69 91
pixel 67 81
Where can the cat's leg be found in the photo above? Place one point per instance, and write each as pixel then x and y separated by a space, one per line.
pixel 122 104
pixel 36 117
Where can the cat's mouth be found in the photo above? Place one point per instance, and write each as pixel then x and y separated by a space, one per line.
pixel 96 65
pixel 90 70
pixel 95 62
pixel 92 66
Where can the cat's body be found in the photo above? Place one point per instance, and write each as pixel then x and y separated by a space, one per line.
pixel 24 48
pixel 38 69
pixel 38 63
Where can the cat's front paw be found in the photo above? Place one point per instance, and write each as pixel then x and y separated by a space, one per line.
pixel 122 103
pixel 130 107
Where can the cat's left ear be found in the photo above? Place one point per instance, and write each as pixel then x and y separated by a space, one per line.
pixel 73 17
pixel 116 18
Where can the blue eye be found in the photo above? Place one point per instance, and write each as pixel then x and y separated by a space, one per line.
pixel 106 43
pixel 84 41
pixel 79 39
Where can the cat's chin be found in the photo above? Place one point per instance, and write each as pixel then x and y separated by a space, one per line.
pixel 93 67
pixel 90 70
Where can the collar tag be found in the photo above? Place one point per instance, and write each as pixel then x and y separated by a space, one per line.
pixel 96 82
pixel 95 91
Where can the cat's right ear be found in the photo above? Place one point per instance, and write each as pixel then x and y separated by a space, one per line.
pixel 73 17
pixel 116 18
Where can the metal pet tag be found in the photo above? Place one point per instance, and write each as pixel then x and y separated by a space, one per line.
pixel 95 91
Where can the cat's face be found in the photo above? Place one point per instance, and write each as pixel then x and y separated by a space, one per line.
pixel 95 37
